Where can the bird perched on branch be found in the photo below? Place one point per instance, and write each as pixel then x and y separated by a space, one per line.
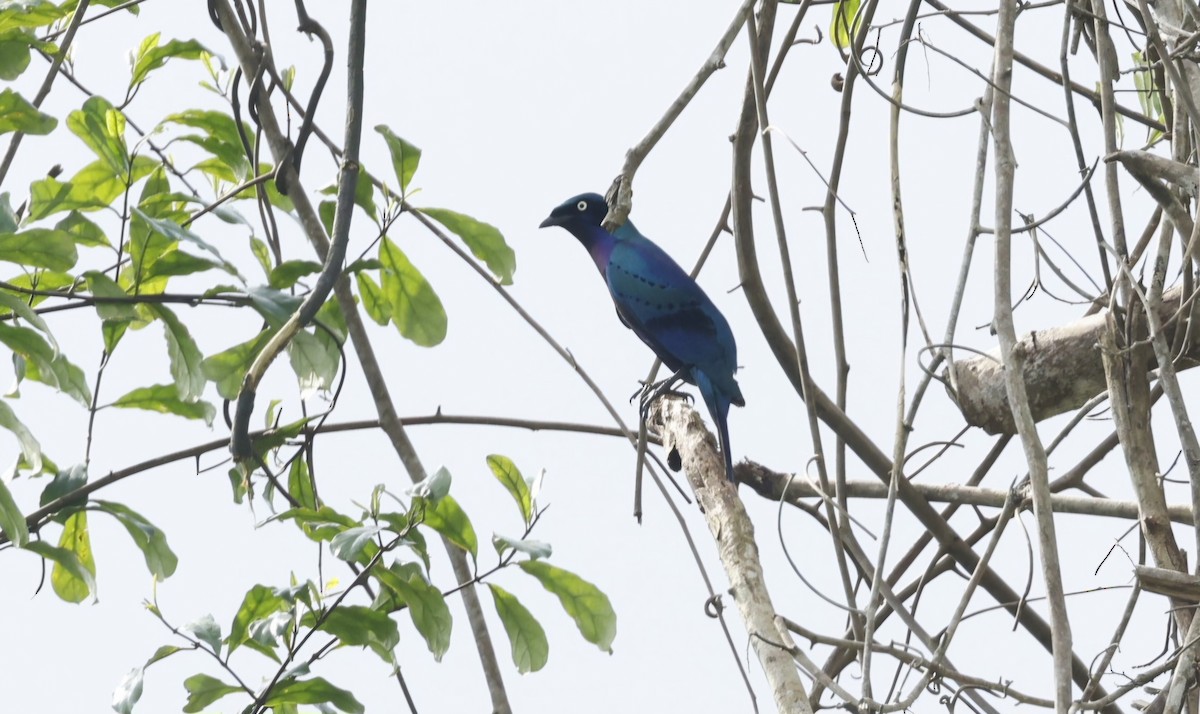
pixel 663 306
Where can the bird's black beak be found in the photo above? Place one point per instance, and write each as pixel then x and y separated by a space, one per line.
pixel 551 220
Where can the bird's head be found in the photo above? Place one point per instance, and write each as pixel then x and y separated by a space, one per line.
pixel 585 210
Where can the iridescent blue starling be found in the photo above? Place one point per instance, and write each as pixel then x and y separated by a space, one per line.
pixel 663 306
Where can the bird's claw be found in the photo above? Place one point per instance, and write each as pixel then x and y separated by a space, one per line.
pixel 652 391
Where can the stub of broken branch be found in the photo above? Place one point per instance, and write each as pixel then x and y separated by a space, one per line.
pixel 1172 583
pixel 681 428
pixel 1062 370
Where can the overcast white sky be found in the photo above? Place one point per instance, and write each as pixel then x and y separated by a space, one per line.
pixel 516 107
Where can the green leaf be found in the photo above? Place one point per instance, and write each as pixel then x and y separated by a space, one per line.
pixel 260 602
pixel 845 23
pixel 14 391
pixel 415 307
pixel 364 194
pixel 428 609
pixel 274 305
pixel 288 77
pixel 128 691
pixel 227 368
pixel 313 691
pixel 176 262
pixel 31 450
pixel 1149 98
pixel 405 157
pixel 12 521
pixel 325 210
pixel 590 608
pixel 314 361
pixel 207 630
pixel 175 232
pixel 356 266
pixel 98 184
pixel 276 198
pixel 83 231
pixel 29 344
pixel 221 138
pixel 433 487
pixel 484 240
pixel 151 56
pixel 262 253
pixel 103 286
pixel 448 518
pixel 113 331
pixel 20 308
pixel 510 477
pixel 349 544
pixel 157 199
pixel 300 484
pixel 47 280
pixel 204 690
pixel 373 301
pixel 14 54
pixel 530 649
pixel 16 114
pixel 286 274
pixel 164 398
pixel 364 197
pixel 160 559
pixel 60 374
pixel 39 248
pixel 8 217
pixel 267 631
pixel 533 548
pixel 185 357
pixel 74 575
pixel 49 195
pixel 32 13
pixel 280 435
pixel 237 479
pixel 321 524
pixel 66 482
pixel 333 327
pixel 162 653
pixel 358 626
pixel 74 581
pixel 102 128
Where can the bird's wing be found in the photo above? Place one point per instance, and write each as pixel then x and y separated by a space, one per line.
pixel 666 308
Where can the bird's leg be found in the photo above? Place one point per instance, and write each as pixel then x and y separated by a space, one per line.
pixel 649 392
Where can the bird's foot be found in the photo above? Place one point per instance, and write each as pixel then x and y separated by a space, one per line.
pixel 652 391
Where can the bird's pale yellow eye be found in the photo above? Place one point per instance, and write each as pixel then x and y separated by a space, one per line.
pixel 582 205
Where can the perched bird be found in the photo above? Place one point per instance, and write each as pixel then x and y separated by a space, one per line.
pixel 663 306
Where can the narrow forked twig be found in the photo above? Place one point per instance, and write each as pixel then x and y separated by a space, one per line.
pixel 906 656
pixel 1069 7
pixel 939 658
pixel 1035 454
pixel 973 232
pixel 841 531
pixel 347 183
pixel 907 299
pixel 373 373
pixel 620 195
pixel 1107 63
pixel 15 142
pixel 957 60
pixel 1040 69
pixel 1111 650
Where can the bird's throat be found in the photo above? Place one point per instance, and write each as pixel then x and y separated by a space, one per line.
pixel 599 244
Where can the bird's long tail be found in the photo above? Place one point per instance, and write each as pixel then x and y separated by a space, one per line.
pixel 718 408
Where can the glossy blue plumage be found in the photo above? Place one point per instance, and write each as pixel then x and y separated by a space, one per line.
pixel 663 305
